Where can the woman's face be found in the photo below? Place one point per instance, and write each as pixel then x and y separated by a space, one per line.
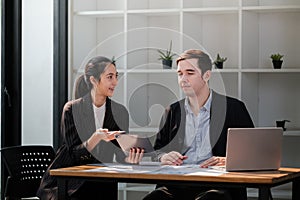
pixel 108 81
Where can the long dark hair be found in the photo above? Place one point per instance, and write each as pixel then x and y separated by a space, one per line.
pixel 81 88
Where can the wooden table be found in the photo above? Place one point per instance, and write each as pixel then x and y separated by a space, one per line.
pixel 263 180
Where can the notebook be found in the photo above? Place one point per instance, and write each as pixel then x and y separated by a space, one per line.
pixel 128 141
pixel 253 149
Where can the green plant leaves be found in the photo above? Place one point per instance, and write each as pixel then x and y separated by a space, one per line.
pixel 276 56
pixel 168 55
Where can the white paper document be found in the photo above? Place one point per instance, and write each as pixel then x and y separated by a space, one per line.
pixel 159 169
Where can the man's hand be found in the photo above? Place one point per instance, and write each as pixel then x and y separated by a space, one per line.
pixel 172 158
pixel 213 161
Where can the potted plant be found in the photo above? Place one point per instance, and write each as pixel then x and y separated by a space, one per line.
pixel 281 123
pixel 219 61
pixel 166 57
pixel 277 60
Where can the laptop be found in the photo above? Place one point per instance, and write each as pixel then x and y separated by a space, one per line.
pixel 251 149
pixel 128 141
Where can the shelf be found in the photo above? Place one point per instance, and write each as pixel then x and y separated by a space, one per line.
pixel 155 12
pixel 271 70
pixel 207 10
pixel 212 10
pixel 260 44
pixel 96 14
pixel 225 70
pixel 172 71
pixel 264 9
pixel 291 133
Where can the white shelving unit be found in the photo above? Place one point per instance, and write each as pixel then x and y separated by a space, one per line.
pixel 247 32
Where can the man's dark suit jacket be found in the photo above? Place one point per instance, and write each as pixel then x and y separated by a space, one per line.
pixel 78 124
pixel 226 112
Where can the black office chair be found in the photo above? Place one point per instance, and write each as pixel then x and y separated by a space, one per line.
pixel 26 165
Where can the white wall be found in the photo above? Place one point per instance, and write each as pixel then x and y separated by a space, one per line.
pixel 37 75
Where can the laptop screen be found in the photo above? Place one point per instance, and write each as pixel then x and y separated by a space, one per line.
pixel 254 148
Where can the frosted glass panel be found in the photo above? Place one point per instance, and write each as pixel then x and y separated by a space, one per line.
pixel 37 72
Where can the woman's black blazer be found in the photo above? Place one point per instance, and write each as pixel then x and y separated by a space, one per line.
pixel 77 125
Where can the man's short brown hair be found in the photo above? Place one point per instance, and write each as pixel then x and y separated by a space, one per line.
pixel 204 62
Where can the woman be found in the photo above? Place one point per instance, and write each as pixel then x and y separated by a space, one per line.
pixel 86 139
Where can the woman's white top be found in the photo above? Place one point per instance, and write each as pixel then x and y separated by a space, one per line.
pixel 99 114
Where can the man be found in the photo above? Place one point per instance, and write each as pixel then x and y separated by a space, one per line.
pixel 194 130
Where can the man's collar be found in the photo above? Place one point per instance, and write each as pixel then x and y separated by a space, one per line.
pixel 206 106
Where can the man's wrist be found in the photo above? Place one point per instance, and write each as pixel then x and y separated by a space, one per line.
pixel 85 144
pixel 160 156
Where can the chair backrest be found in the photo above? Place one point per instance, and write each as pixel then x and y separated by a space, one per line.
pixel 26 166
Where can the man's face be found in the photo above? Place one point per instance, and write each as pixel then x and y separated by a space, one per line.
pixel 190 77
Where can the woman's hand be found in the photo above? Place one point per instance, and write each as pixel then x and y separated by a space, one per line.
pixel 109 135
pixel 213 161
pixel 98 135
pixel 135 155
pixel 172 158
pixel 104 134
